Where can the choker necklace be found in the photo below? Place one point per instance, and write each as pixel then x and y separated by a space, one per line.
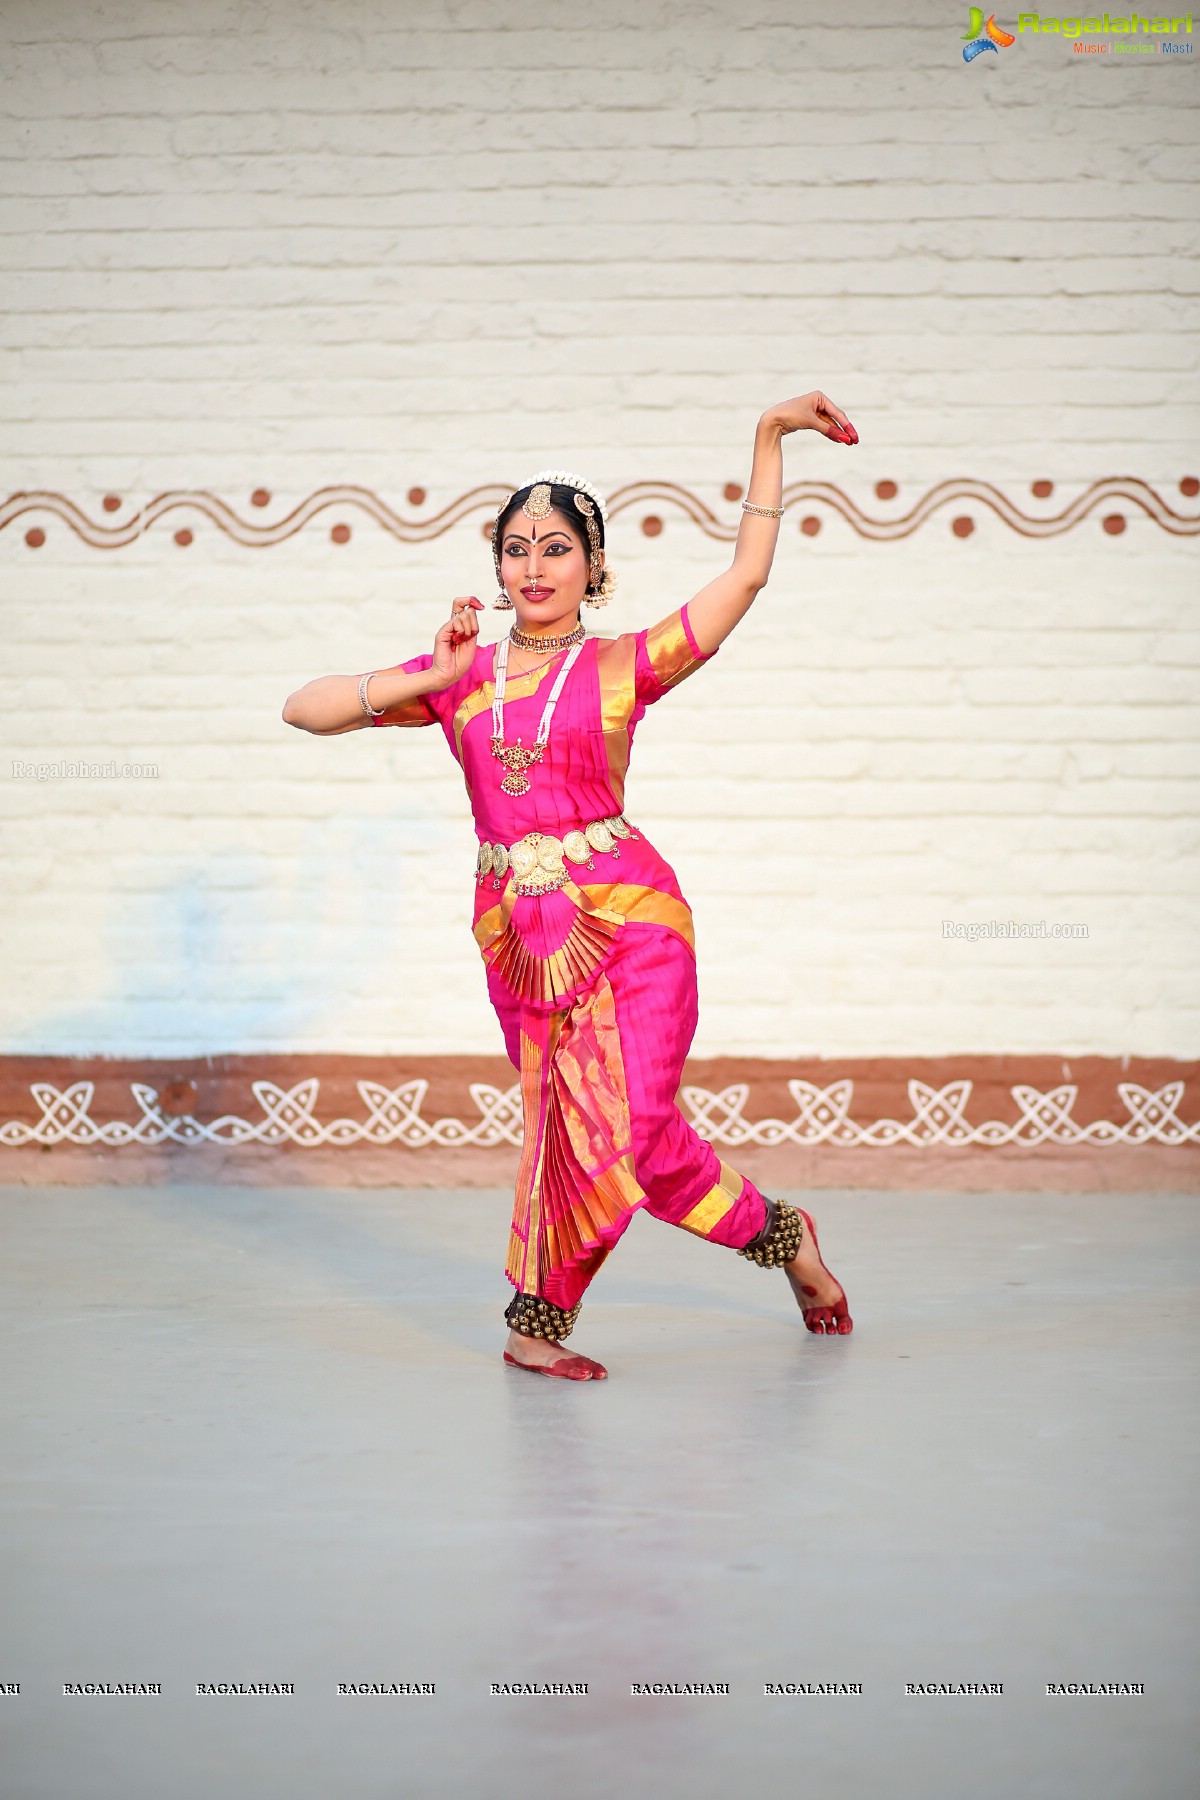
pixel 515 757
pixel 562 640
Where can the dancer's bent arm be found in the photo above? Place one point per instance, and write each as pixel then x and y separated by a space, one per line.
pixel 329 704
pixel 716 609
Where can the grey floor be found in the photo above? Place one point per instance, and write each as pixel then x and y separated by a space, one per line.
pixel 267 1436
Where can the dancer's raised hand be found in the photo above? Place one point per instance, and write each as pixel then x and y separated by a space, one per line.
pixel 454 645
pixel 813 412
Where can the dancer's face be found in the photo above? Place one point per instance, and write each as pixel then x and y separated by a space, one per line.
pixel 543 553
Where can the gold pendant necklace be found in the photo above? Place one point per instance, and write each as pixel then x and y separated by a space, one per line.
pixel 516 758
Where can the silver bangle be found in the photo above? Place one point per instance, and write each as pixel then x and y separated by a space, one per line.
pixel 768 512
pixel 372 712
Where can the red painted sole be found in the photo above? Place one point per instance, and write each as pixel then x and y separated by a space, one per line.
pixel 571 1368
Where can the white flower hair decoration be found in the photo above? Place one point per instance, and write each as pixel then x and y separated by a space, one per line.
pixel 564 478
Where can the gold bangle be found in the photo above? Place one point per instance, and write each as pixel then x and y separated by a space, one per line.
pixel 768 512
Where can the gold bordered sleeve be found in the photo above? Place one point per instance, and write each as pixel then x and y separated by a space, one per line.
pixel 422 709
pixel 666 654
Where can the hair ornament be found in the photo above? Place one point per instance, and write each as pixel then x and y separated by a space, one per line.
pixel 564 478
pixel 538 505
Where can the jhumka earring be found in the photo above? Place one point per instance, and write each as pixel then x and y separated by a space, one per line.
pixel 502 603
pixel 605 591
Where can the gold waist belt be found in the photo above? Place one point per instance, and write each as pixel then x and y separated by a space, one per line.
pixel 538 860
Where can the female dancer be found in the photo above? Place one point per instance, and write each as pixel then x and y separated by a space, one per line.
pixel 586 938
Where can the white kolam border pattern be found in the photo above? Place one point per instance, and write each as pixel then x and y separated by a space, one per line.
pixel 394 1116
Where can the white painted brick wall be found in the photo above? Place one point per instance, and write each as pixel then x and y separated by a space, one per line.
pixel 446 244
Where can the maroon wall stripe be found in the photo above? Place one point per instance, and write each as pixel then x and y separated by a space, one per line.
pixel 959 1122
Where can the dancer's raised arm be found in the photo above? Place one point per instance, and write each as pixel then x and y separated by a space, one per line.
pixel 330 704
pixel 716 609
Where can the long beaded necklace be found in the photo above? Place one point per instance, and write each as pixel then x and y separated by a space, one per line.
pixel 515 757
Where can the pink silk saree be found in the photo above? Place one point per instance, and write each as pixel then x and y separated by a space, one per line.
pixel 594 983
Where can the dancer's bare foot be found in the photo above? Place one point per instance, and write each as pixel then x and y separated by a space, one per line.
pixel 545 1353
pixel 822 1300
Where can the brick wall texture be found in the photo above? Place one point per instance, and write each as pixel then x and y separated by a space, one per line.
pixel 425 244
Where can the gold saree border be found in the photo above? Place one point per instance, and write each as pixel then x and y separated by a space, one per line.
pixel 529 1169
pixel 542 1246
pixel 713 1206
pixel 517 688
pixel 671 655
pixel 409 712
pixel 620 898
pixel 528 1187
pixel 671 658
pixel 616 671
pixel 646 904
pixel 609 1190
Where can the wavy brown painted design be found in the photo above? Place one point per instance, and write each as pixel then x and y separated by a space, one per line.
pixel 1104 497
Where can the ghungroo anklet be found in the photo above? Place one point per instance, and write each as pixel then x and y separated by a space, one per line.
pixel 534 1317
pixel 779 1239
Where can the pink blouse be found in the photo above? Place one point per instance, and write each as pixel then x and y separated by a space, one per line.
pixel 580 777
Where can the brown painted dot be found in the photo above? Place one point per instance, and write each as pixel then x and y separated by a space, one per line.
pixel 340 534
pixel 35 537
pixel 1042 490
pixel 652 525
pixel 178 1098
pixel 886 490
pixel 489 525
pixel 261 497
pixel 416 496
pixel 1190 486
pixel 810 525
pixel 183 537
pixel 1114 523
pixel 962 526
pixel 111 502
pixel 733 490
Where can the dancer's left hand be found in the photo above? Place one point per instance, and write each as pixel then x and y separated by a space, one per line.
pixel 813 412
